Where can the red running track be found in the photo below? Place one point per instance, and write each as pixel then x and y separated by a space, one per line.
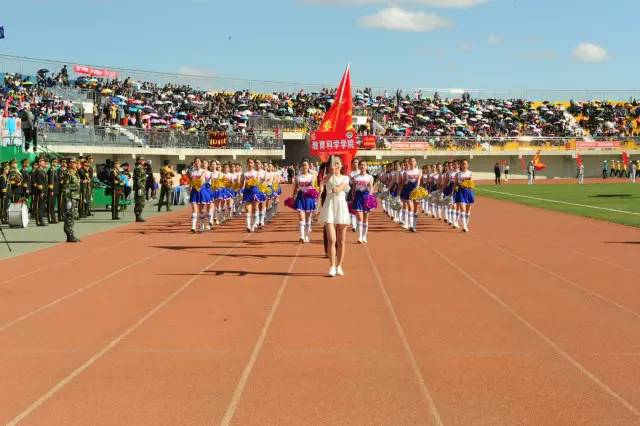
pixel 532 318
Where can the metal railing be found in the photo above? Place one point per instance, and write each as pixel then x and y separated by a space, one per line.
pixel 487 144
pixel 117 136
pixel 26 65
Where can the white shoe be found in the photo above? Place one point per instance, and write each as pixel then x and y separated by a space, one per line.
pixel 412 229
pixel 405 226
pixel 465 229
pixel 209 227
pixel 359 241
pixel 302 240
pixel 456 226
pixel 396 220
pixel 332 271
pixel 339 271
pixel 306 238
pixel 364 240
pixel 248 229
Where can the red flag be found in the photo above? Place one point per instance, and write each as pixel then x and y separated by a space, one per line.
pixel 578 160
pixel 625 158
pixel 523 164
pixel 537 163
pixel 339 118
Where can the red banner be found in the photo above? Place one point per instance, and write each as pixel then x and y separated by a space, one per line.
pixel 217 139
pixel 368 142
pixel 410 146
pixel 95 72
pixel 324 144
pixel 597 144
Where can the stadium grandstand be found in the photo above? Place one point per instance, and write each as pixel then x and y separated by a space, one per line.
pixel 111 112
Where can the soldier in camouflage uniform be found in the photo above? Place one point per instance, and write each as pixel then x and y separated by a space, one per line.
pixel 116 190
pixel 14 191
pixel 70 188
pixel 139 182
pixel 60 196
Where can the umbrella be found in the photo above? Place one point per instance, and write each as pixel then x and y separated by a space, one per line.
pixel 137 102
pixel 43 71
pixel 27 83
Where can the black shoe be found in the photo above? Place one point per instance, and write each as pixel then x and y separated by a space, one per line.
pixel 168 210
pixel 115 218
pixel 140 219
pixel 73 239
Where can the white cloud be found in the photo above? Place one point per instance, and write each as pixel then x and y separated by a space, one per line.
pixel 451 3
pixel 433 3
pixel 397 19
pixel 465 47
pixel 198 72
pixel 589 52
pixel 494 39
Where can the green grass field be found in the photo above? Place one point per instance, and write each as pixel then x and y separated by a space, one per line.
pixel 617 202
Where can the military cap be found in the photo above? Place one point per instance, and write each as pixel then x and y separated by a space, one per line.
pixel 71 160
pixel 55 160
pixel 25 161
pixel 13 161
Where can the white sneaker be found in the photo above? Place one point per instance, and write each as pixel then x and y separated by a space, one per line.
pixel 456 226
pixel 405 226
pixel 359 241
pixel 364 240
pixel 306 238
pixel 412 229
pixel 339 271
pixel 465 229
pixel 208 227
pixel 332 271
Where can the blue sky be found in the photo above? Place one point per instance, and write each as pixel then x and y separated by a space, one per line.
pixel 485 44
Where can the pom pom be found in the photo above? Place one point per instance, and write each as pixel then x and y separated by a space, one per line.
pixel 370 202
pixel 290 202
pixel 418 194
pixel 468 184
pixel 251 182
pixel 312 193
pixel 196 183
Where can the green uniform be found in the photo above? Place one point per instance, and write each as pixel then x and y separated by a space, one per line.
pixel 166 187
pixel 139 182
pixel 70 188
pixel 117 187
pixel 4 199
pixel 52 193
pixel 14 191
pixel 40 183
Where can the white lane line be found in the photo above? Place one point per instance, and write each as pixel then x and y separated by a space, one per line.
pixel 424 389
pixel 257 348
pixel 71 260
pixel 76 292
pixel 558 201
pixel 88 363
pixel 581 368
pixel 566 280
pixel 606 262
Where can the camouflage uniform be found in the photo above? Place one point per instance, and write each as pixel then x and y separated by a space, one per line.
pixel 40 182
pixel 14 191
pixel 70 188
pixel 139 182
pixel 4 186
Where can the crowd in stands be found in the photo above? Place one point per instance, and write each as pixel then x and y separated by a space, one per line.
pixel 147 105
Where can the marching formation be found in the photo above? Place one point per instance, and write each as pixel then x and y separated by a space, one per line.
pixel 441 191
pixel 220 192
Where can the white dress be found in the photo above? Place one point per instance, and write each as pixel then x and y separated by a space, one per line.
pixel 335 209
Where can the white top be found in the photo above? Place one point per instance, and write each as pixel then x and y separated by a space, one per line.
pixel 462 176
pixel 335 209
pixel 412 175
pixel 362 181
pixel 304 182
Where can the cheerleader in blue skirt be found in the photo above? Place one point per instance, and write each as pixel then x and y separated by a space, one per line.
pixel 305 205
pixel 251 195
pixel 412 177
pixel 363 186
pixel 198 195
pixel 227 192
pixel 464 197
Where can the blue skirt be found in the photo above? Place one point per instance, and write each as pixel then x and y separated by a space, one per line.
pixel 200 197
pixel 224 194
pixel 406 190
pixel 304 204
pixel 358 201
pixel 464 196
pixel 448 190
pixel 393 191
pixel 252 194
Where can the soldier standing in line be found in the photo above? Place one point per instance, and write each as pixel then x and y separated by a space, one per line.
pixel 70 189
pixel 4 199
pixel 90 174
pixel 39 179
pixel 14 191
pixel 53 190
pixel 26 183
pixel 59 197
pixel 117 187
pixel 82 174
pixel 139 182
pixel 166 185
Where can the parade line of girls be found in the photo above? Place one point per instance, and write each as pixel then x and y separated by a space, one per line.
pixel 442 191
pixel 219 192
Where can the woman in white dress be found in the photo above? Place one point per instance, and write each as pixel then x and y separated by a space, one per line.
pixel 335 215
